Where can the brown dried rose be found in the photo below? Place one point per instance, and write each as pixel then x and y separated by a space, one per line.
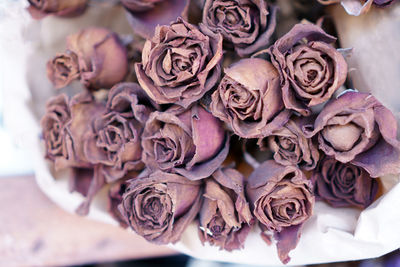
pixel 310 68
pixel 282 200
pixel 100 55
pixel 180 64
pixel 161 205
pixel 63 69
pixel 190 142
pixel 63 8
pixel 291 147
pixel 357 128
pixel 246 25
pixel 343 184
pixel 249 99
pixel 64 125
pixel 225 217
pixel 145 15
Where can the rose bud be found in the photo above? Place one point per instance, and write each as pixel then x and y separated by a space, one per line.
pixel 161 205
pixel 63 69
pixel 86 181
pixel 145 15
pixel 282 200
pixel 130 101
pixel 246 25
pixel 249 99
pixel 190 142
pixel 100 55
pixel 310 68
pixel 62 8
pixel 291 147
pixel 225 217
pixel 343 184
pixel 64 125
pixel 180 64
pixel 115 199
pixel 357 128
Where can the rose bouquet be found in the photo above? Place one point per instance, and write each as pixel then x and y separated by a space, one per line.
pixel 214 130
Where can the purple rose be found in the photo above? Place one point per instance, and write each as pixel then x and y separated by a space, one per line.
pixel 161 205
pixel 63 8
pixel 190 142
pixel 225 217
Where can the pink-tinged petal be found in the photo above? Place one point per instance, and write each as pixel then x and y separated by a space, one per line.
pixel 287 240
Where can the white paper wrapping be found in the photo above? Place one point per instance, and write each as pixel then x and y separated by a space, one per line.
pixel 331 234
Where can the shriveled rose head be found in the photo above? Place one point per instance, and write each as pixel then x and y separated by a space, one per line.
pixel 130 101
pixel 64 125
pixel 180 64
pixel 63 8
pixel 249 99
pixel 102 58
pixel 225 217
pixel 310 68
pixel 282 200
pixel 291 147
pixel 246 25
pixel 190 142
pixel 343 184
pixel 63 69
pixel 357 128
pixel 161 205
pixel 145 15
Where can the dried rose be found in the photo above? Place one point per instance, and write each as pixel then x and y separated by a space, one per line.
pixel 249 99
pixel 282 200
pixel 63 69
pixel 246 25
pixel 161 205
pixel 343 184
pixel 291 147
pixel 100 55
pixel 145 15
pixel 180 64
pixel 358 7
pixel 190 142
pixel 63 8
pixel 310 68
pixel 64 125
pixel 115 199
pixel 357 128
pixel 225 217
pixel 130 101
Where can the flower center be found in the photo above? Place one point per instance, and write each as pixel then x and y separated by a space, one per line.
pixel 342 137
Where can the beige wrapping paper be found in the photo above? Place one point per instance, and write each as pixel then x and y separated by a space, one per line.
pixel 330 235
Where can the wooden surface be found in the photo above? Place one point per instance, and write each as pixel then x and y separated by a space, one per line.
pixel 34 231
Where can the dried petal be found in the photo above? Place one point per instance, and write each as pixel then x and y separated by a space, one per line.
pixel 63 8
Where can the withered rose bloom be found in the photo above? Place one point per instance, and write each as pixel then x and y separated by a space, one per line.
pixel 310 68
pixel 249 99
pixel 180 64
pixel 282 200
pixel 64 125
pixel 145 15
pixel 100 56
pixel 161 205
pixel 115 199
pixel 190 142
pixel 63 8
pixel 115 137
pixel 225 217
pixel 357 128
pixel 291 147
pixel 246 25
pixel 63 69
pixel 343 184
